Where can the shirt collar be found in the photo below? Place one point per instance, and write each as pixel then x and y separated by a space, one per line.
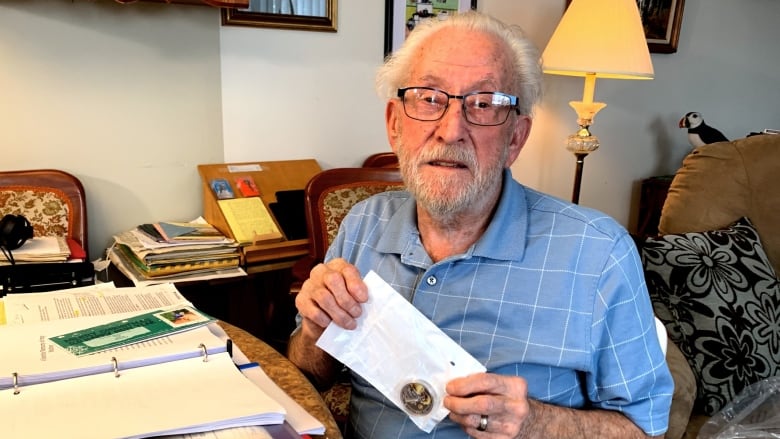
pixel 504 239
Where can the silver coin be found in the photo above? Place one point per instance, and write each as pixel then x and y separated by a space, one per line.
pixel 417 398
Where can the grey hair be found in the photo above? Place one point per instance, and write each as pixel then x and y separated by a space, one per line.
pixel 526 65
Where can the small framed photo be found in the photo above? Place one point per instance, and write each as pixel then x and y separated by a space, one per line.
pixel 182 317
pixel 401 16
pixel 222 188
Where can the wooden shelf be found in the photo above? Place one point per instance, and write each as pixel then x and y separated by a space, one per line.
pixel 270 178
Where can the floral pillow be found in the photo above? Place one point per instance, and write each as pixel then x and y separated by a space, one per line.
pixel 719 298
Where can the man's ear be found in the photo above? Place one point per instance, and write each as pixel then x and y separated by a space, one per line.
pixel 392 123
pixel 519 134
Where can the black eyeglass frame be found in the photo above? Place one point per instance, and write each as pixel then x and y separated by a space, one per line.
pixel 512 104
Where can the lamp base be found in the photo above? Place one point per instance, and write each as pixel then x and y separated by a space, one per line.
pixel 582 142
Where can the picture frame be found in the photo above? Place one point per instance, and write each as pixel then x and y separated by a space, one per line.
pixel 662 21
pixel 400 16
pixel 280 14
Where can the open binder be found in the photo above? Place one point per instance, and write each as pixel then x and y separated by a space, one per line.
pixel 183 383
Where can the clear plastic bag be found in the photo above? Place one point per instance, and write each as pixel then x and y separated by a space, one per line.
pixel 753 414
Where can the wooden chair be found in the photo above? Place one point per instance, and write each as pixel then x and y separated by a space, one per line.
pixel 329 195
pixel 381 160
pixel 53 201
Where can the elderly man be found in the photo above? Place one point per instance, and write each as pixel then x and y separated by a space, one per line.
pixel 549 296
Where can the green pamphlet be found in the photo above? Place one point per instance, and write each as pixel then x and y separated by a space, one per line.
pixel 131 330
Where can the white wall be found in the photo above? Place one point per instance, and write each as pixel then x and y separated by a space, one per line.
pixel 726 67
pixel 126 97
pixel 131 98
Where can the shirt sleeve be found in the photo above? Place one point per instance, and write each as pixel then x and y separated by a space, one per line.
pixel 630 373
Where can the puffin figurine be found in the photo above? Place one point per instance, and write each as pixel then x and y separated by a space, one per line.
pixel 699 133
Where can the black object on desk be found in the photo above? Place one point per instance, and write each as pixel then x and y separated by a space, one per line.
pixel 31 278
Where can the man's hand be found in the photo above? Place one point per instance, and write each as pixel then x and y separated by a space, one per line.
pixel 333 292
pixel 510 414
pixel 503 399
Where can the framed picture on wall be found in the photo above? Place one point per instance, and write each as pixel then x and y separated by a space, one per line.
pixel 662 20
pixel 402 15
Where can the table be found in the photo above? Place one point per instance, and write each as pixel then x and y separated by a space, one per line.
pixel 286 375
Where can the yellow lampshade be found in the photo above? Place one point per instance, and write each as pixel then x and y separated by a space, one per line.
pixel 601 37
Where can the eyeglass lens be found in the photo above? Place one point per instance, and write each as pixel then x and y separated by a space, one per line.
pixel 479 108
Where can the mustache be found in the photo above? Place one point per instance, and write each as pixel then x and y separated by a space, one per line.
pixel 448 153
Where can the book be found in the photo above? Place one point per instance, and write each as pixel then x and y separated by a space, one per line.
pixel 178 264
pixel 140 280
pixel 41 249
pixel 246 185
pixel 221 188
pixel 250 221
pixel 172 231
pixel 77 252
pixel 181 383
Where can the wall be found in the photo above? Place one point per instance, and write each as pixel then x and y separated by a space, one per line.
pixel 726 67
pixel 126 97
pixel 131 98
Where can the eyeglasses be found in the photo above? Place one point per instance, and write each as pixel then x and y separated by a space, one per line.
pixel 485 108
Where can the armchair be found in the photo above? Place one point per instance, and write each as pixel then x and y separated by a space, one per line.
pixel 329 196
pixel 53 201
pixel 55 204
pixel 712 275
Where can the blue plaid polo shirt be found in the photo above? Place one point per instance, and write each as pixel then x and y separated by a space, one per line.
pixel 552 292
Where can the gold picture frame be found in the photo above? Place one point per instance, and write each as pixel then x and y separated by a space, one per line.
pixel 248 17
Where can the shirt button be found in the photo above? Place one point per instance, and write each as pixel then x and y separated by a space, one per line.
pixel 431 280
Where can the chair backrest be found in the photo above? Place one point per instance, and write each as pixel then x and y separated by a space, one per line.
pixel 331 193
pixel 722 182
pixel 381 160
pixel 53 201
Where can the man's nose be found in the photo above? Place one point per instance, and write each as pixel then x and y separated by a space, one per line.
pixel 452 125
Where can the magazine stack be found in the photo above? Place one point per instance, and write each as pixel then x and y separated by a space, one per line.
pixel 175 251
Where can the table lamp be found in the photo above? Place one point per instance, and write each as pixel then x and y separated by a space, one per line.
pixel 596 39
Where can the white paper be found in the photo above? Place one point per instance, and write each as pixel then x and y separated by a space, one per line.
pixel 394 344
pixel 176 397
pixel 301 420
pixel 93 300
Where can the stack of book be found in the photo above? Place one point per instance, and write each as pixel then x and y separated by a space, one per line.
pixel 46 249
pixel 175 251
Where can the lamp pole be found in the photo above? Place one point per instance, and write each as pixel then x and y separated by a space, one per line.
pixel 575 195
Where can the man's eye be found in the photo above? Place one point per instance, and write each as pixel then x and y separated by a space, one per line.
pixel 430 98
pixel 479 103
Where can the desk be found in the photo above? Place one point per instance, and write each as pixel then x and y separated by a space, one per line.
pixel 285 375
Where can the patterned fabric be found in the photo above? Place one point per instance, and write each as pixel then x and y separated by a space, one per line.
pixel 337 203
pixel 48 210
pixel 719 298
pixel 551 292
